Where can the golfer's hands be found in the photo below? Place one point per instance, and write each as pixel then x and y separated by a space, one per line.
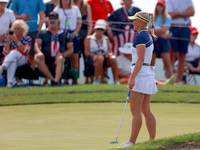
pixel 131 83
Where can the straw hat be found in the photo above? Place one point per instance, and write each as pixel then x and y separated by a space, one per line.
pixel 126 49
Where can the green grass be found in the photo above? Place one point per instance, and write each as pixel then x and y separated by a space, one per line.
pixel 91 93
pixel 86 126
pixel 157 144
pixel 107 94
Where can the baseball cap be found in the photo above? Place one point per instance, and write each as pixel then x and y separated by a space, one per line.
pixel 193 30
pixel 161 2
pixel 100 24
pixel 53 15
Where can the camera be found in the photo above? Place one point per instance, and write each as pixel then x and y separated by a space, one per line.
pixel 101 51
pixel 11 32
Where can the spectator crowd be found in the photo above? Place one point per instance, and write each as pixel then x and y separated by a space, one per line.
pixel 95 31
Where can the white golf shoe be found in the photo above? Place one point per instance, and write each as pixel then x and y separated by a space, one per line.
pixel 126 144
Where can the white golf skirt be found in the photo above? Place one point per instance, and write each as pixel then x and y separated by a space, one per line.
pixel 145 84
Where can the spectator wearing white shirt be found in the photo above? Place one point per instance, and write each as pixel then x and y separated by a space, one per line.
pixel 7 17
pixel 193 54
pixel 180 11
pixel 124 63
pixel 70 21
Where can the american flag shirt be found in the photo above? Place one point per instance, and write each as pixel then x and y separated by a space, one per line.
pixel 55 45
pixel 26 41
pixel 118 21
pixel 52 44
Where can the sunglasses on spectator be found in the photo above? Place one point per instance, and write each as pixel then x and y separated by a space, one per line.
pixel 195 34
pixel 100 29
pixel 159 4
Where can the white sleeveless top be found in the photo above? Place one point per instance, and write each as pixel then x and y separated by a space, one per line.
pixel 98 45
pixel 145 80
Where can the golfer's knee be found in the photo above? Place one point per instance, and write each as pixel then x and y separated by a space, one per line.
pixel 135 111
pixel 146 112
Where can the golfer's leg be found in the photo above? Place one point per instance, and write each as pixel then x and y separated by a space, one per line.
pixel 149 117
pixel 136 100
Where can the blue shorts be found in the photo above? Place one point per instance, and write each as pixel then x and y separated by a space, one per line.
pixel 161 46
pixel 33 36
pixel 90 62
pixel 77 44
pixel 183 38
pixel 89 66
pixel 194 63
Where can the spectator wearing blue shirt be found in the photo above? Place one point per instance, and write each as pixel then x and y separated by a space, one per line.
pixel 180 11
pixel 28 11
pixel 162 45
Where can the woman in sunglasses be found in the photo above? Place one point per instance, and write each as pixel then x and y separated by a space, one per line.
pixel 98 52
pixel 162 45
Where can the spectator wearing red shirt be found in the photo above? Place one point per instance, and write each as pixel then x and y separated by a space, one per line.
pixel 100 9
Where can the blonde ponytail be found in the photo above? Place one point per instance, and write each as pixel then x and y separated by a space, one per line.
pixel 152 22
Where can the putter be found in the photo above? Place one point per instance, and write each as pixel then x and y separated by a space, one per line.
pixel 114 142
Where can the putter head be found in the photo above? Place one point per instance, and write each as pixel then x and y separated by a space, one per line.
pixel 114 142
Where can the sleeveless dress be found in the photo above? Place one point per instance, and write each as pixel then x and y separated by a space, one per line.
pixel 95 45
pixel 145 79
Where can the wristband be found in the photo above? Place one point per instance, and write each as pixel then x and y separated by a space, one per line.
pixel 75 33
pixel 19 43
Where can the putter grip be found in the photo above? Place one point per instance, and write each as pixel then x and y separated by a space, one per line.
pixel 129 93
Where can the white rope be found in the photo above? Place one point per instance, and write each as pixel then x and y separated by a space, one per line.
pixel 85 22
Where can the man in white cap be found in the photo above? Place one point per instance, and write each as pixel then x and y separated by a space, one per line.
pixel 124 63
pixel 6 18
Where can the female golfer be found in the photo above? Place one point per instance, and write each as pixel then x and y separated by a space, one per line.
pixel 141 82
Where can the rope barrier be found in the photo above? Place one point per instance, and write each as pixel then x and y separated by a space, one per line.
pixel 85 22
pixel 110 22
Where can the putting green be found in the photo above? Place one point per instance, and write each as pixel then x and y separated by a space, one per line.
pixel 86 126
